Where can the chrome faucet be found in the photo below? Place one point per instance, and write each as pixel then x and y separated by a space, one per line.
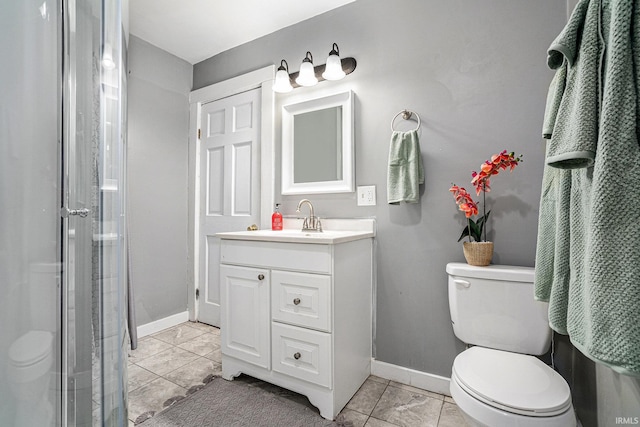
pixel 312 223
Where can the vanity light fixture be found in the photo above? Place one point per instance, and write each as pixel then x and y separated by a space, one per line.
pixel 307 75
pixel 335 69
pixel 282 83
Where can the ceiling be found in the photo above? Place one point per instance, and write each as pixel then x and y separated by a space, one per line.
pixel 195 30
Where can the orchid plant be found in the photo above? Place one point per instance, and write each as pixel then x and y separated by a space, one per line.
pixel 476 230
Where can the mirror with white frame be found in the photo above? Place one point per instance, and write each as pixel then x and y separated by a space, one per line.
pixel 317 145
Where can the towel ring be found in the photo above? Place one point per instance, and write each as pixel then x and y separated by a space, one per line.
pixel 406 114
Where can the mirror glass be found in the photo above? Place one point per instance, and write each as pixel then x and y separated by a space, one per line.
pixel 317 154
pixel 317 145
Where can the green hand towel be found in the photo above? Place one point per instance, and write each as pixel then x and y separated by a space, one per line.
pixel 406 172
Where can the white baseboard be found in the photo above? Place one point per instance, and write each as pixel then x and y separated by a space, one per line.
pixel 162 324
pixel 423 380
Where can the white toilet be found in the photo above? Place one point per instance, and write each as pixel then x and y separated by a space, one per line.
pixel 31 356
pixel 497 382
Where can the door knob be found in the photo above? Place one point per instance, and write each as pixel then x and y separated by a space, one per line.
pixel 260 276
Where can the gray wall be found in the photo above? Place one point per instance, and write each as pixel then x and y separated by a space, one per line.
pixel 600 395
pixel 159 86
pixel 476 74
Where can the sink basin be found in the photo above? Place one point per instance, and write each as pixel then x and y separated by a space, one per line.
pixel 297 236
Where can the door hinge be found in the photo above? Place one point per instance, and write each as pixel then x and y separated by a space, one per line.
pixel 198 133
pixel 197 293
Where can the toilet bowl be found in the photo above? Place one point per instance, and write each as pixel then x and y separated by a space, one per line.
pixel 502 389
pixel 31 359
pixel 498 381
pixel 31 355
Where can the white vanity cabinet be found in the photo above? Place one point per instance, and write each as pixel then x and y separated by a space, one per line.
pixel 298 315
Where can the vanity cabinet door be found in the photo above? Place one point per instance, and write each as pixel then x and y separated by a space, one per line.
pixel 245 322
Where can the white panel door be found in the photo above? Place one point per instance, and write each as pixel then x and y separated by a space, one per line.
pixel 245 320
pixel 229 185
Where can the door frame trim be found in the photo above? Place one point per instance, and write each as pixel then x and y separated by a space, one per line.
pixel 261 78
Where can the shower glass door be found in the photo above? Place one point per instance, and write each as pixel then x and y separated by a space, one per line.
pixel 62 333
pixel 93 306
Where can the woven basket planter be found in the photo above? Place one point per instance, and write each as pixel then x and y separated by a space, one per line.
pixel 478 253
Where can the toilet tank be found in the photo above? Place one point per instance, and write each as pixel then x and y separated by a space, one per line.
pixel 494 307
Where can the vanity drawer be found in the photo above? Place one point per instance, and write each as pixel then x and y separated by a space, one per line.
pixel 301 299
pixel 288 256
pixel 302 353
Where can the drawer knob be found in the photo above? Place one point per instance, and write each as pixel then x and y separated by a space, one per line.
pixel 296 301
pixel 260 276
pixel 297 356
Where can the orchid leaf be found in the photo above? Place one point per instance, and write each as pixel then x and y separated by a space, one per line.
pixel 476 230
pixel 464 234
pixel 483 219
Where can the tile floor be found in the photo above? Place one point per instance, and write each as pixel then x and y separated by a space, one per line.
pixel 167 364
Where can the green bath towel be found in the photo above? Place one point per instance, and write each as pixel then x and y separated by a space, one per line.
pixel 588 254
pixel 576 125
pixel 406 172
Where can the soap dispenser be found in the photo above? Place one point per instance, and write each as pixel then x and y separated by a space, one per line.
pixel 276 219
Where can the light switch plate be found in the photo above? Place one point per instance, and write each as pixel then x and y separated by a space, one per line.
pixel 367 195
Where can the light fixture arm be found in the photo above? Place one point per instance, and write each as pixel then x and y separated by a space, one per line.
pixel 308 57
pixel 284 66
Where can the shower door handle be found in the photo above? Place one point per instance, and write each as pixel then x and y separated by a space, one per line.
pixel 66 212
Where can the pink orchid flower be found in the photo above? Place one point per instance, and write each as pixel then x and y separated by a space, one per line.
pixel 481 180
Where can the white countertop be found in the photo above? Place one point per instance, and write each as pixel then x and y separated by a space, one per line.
pixel 340 231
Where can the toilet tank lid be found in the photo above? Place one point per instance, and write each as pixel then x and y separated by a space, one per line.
pixel 492 272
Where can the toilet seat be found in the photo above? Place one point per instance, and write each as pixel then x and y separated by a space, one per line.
pixel 30 348
pixel 31 355
pixel 511 382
